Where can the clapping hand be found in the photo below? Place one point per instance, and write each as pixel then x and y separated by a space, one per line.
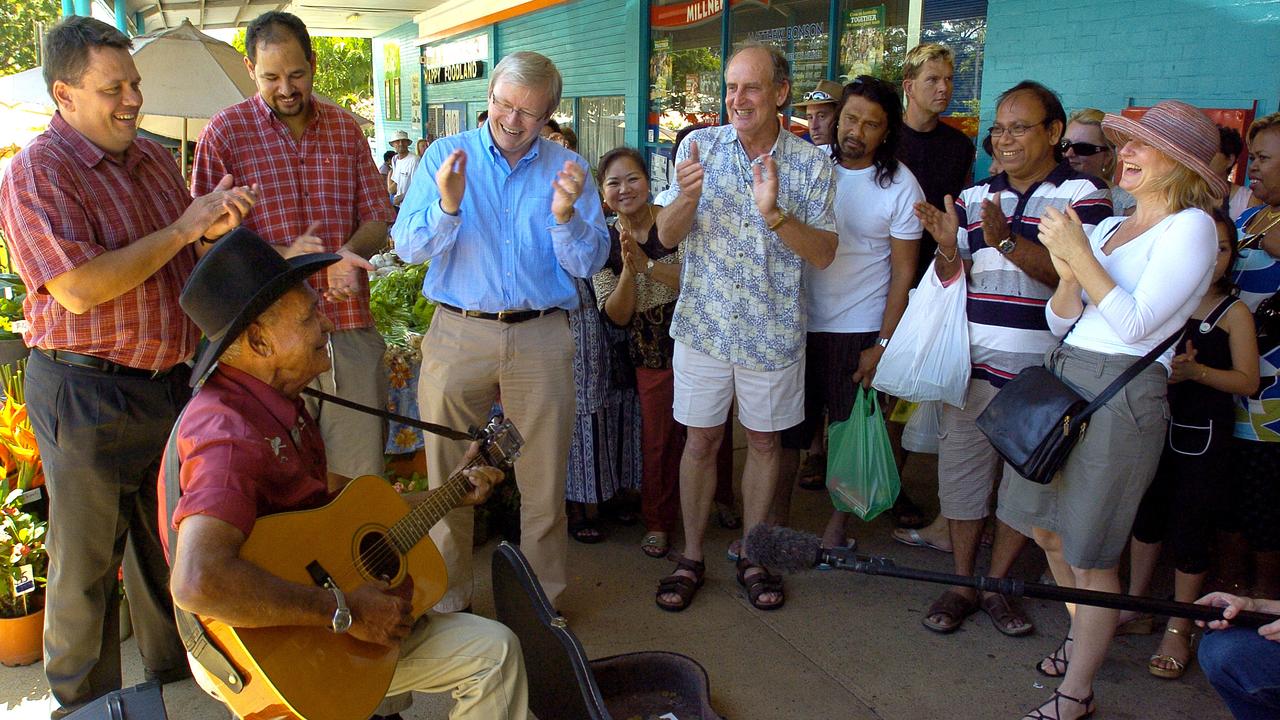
pixel 995 226
pixel 633 259
pixel 451 181
pixel 568 185
pixel 942 224
pixel 1063 234
pixel 764 185
pixel 689 174
pixel 219 212
pixel 305 243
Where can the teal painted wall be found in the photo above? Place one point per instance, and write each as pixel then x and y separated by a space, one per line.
pixel 594 43
pixel 1109 55
pixel 403 36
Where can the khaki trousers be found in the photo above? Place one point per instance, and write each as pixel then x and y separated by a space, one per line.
pixel 467 363
pixel 354 441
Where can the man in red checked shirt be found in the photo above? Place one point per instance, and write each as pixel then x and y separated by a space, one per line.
pixel 101 229
pixel 319 191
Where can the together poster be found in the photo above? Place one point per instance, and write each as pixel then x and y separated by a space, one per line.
pixel 862 42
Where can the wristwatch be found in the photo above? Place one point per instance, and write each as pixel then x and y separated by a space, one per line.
pixel 648 267
pixel 1006 245
pixel 882 342
pixel 342 616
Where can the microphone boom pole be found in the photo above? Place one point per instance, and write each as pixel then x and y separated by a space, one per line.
pixel 1018 588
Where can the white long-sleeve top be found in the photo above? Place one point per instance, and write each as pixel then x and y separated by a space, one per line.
pixel 1160 277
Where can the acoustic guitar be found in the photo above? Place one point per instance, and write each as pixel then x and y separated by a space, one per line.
pixel 367 533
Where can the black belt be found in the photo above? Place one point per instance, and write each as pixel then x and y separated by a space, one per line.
pixel 510 317
pixel 91 362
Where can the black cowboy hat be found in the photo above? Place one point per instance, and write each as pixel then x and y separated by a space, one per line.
pixel 238 279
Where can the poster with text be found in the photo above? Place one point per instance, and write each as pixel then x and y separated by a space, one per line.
pixel 862 43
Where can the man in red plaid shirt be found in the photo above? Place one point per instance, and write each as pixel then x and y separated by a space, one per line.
pixel 101 229
pixel 319 191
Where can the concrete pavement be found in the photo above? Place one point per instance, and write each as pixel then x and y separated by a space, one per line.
pixel 845 646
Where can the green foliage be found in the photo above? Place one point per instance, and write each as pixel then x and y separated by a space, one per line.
pixel 18 41
pixel 344 69
pixel 12 293
pixel 397 304
pixel 21 543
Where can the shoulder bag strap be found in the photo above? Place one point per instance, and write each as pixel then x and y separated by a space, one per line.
pixel 1126 376
pixel 1216 314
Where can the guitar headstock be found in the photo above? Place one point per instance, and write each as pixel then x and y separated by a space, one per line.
pixel 500 443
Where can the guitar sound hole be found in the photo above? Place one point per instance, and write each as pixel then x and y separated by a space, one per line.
pixel 379 558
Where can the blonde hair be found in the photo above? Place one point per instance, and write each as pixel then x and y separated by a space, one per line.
pixel 921 54
pixel 531 70
pixel 1266 122
pixel 1093 116
pixel 1184 188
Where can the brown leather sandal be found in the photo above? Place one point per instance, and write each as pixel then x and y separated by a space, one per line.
pixel 953 607
pixel 760 583
pixel 681 585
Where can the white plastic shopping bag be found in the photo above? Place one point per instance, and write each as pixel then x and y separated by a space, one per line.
pixel 928 355
pixel 920 434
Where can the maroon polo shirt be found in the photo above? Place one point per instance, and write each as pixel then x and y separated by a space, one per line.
pixel 246 451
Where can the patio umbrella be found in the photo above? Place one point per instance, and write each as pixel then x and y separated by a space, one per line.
pixel 186 76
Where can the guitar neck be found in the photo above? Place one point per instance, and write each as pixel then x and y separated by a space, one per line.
pixel 415 525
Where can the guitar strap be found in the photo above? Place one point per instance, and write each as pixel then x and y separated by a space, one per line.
pixel 432 428
pixel 194 638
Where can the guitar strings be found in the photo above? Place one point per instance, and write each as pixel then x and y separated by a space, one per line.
pixel 383 549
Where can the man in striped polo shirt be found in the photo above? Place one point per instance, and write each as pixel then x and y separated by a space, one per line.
pixel 992 232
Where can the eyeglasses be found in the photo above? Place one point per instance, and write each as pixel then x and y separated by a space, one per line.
pixel 1016 130
pixel 819 95
pixel 507 108
pixel 1083 149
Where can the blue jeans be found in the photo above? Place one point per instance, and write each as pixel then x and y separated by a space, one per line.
pixel 1244 668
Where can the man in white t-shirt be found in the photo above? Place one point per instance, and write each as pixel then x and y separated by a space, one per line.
pixel 855 303
pixel 402 168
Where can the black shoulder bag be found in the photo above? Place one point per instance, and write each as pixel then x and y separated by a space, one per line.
pixel 1036 419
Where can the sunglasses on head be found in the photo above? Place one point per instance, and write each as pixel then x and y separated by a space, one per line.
pixel 1083 149
pixel 817 95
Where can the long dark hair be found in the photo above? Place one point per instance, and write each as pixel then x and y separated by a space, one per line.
pixel 884 158
pixel 1225 284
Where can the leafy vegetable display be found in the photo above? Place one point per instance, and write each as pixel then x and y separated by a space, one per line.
pixel 400 312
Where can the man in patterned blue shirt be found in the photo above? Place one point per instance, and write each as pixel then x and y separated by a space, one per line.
pixel 507 219
pixel 752 205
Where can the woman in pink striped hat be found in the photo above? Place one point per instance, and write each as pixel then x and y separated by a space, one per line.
pixel 1121 293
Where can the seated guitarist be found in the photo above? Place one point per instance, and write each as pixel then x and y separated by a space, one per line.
pixel 249 448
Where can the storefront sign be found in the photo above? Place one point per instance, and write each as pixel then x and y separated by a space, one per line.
pixel 475 47
pixel 455 72
pixel 695 12
pixel 791 32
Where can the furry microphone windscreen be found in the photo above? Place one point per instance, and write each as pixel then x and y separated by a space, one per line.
pixel 783 549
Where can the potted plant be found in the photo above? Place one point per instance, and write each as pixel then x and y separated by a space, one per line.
pixel 23 557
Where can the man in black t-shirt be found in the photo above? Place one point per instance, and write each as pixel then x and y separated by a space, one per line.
pixel 940 156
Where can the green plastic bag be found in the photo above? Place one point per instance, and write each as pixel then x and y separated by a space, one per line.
pixel 862 476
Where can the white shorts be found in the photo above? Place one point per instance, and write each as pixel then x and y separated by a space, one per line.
pixel 768 400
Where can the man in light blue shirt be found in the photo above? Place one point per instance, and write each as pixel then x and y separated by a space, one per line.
pixel 507 220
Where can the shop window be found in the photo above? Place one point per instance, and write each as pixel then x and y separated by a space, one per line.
pixel 564 113
pixel 799 28
pixel 873 39
pixel 447 119
pixel 602 126
pixel 684 69
pixel 962 26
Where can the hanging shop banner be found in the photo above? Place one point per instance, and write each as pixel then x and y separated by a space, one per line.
pixel 454 73
pixel 862 43
pixel 693 13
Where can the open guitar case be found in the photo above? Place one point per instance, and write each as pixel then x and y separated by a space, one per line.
pixel 565 685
